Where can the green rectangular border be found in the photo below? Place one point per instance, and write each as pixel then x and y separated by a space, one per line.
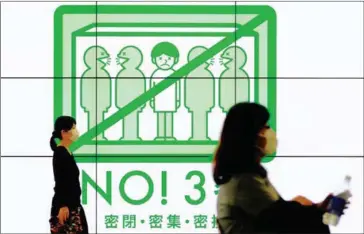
pixel 268 13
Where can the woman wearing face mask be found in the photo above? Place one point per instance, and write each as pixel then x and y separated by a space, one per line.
pixel 67 214
pixel 247 201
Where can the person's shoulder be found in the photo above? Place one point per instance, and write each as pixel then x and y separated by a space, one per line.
pixel 60 152
pixel 250 179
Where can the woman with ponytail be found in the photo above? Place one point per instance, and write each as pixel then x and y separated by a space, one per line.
pixel 247 201
pixel 67 214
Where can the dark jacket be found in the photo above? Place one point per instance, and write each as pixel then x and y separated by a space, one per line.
pixel 67 189
pixel 249 203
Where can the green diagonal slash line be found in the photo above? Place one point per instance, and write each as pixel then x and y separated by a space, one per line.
pixel 151 93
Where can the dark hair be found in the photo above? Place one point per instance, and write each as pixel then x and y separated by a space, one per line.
pixel 62 123
pixel 166 48
pixel 237 151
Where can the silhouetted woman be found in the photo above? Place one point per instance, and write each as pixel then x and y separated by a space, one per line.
pixel 67 214
pixel 247 201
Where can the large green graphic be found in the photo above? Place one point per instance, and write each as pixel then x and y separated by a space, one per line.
pixel 95 93
pixel 162 76
pixel 129 84
pixel 165 56
pixel 200 82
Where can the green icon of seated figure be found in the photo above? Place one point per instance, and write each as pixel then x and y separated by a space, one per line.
pixel 129 84
pixel 165 56
pixel 96 86
pixel 199 95
pixel 234 80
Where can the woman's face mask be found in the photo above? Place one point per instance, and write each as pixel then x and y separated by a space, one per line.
pixel 270 141
pixel 74 134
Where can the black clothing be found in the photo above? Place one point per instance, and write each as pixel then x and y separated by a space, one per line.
pixel 66 175
pixel 67 190
pixel 291 217
pixel 249 203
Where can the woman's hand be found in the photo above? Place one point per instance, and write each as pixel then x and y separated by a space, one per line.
pixel 325 203
pixel 303 201
pixel 63 214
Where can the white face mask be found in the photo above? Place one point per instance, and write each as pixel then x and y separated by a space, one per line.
pixel 75 134
pixel 271 141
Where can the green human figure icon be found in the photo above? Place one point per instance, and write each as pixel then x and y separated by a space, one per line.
pixel 165 56
pixel 199 95
pixel 96 86
pixel 234 80
pixel 129 84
